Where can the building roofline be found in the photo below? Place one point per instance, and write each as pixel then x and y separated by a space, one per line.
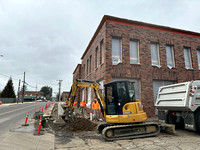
pixel 76 68
pixel 107 18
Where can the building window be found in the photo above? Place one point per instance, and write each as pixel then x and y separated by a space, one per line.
pixel 134 52
pixel 83 70
pixel 83 94
pixel 101 52
pixel 96 57
pixel 87 66
pixel 155 55
pixel 116 51
pixel 88 97
pixel 187 56
pixel 170 56
pixel 90 63
pixel 198 57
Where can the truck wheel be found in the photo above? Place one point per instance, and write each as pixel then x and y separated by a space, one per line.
pixel 197 123
pixel 171 119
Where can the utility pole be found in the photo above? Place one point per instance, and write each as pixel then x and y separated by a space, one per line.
pixel 36 93
pixel 23 89
pixel 18 91
pixel 59 83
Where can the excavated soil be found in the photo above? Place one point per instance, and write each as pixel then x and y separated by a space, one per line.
pixel 82 124
pixel 78 125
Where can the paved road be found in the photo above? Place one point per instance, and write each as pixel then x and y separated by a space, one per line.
pixel 12 116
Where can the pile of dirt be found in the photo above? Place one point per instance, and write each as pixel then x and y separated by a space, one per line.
pixel 82 124
pixel 78 125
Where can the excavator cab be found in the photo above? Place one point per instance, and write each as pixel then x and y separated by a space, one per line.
pixel 121 105
pixel 117 94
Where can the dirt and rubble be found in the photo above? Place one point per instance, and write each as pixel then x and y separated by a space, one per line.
pixel 60 127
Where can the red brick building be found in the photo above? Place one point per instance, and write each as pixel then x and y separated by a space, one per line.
pixel 31 95
pixel 64 95
pixel 151 55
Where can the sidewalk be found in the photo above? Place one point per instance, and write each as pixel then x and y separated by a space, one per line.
pixel 22 138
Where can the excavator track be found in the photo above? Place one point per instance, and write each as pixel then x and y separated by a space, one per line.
pixel 119 132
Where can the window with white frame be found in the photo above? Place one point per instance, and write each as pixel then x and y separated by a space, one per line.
pixel 116 51
pixel 187 57
pixel 154 55
pixel 134 52
pixel 170 56
pixel 198 57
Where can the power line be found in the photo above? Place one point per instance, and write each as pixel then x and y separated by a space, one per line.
pixel 9 76
pixel 28 84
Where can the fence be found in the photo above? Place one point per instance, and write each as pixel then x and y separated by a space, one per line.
pixel 8 100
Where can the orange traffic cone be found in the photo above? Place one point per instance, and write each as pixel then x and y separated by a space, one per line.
pixel 25 124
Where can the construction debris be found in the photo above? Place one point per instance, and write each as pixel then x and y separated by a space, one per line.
pixel 82 124
pixel 78 125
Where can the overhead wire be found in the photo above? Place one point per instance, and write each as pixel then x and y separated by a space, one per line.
pixel 26 82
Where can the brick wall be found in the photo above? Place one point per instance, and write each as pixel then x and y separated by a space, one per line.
pixel 144 71
pixel 77 75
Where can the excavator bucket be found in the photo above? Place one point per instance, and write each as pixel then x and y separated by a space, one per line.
pixel 71 114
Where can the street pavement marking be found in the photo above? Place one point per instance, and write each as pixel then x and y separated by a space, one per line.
pixel 15 110
pixel 4 119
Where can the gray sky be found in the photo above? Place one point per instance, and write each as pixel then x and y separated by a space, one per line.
pixel 46 38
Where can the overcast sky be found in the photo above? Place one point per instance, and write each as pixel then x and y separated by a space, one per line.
pixel 46 38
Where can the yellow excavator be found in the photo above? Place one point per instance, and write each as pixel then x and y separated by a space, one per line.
pixel 123 114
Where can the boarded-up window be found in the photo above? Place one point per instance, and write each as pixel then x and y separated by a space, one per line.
pixel 170 56
pixel 116 51
pixel 134 52
pixel 154 55
pixel 187 56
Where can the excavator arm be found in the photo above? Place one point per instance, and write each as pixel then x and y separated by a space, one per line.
pixel 72 95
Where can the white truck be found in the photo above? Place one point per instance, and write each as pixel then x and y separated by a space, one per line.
pixel 179 104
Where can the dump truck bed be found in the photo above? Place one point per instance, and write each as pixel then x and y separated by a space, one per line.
pixel 182 96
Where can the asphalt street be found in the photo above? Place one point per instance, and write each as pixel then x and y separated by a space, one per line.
pixel 12 116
